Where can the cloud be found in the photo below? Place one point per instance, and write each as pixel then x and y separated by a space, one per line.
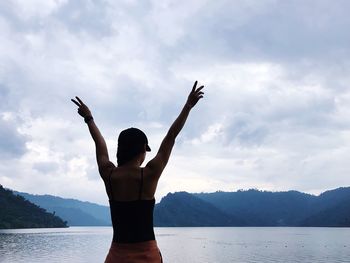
pixel 270 30
pixel 274 115
pixel 12 142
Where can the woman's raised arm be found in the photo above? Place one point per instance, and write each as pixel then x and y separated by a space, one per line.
pixel 104 165
pixel 158 163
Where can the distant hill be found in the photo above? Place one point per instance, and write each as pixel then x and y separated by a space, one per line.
pixel 75 212
pixel 262 208
pixel 331 208
pixel 241 208
pixel 184 209
pixel 16 212
pixel 291 208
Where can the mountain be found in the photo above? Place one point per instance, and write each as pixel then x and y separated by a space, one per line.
pixel 75 212
pixel 291 208
pixel 332 208
pixel 241 208
pixel 335 216
pixel 184 209
pixel 262 208
pixel 16 212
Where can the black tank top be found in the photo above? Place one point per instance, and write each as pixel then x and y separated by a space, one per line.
pixel 132 220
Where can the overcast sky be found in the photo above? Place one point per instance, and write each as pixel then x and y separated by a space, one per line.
pixel 276 112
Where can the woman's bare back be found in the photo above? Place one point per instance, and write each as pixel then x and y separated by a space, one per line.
pixel 127 181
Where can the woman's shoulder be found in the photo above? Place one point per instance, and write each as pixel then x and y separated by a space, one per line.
pixel 106 170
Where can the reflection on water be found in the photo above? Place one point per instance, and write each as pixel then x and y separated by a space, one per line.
pixel 74 244
pixel 195 245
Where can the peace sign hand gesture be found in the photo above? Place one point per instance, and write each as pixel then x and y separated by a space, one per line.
pixel 195 95
pixel 83 109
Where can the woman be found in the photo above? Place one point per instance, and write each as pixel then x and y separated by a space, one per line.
pixel 131 188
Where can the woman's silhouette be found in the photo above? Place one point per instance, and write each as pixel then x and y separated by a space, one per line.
pixel 130 187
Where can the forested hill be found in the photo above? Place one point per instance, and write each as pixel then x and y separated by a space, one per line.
pixel 291 208
pixel 255 208
pixel 262 208
pixel 16 212
pixel 75 212
pixel 184 209
pixel 241 208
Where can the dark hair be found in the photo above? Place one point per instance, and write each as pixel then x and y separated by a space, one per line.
pixel 131 143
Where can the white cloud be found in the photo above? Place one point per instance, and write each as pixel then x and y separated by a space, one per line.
pixel 274 115
pixel 28 9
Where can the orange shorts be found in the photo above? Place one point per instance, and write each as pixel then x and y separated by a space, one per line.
pixel 134 253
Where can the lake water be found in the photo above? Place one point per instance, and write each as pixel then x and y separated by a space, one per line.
pixel 181 245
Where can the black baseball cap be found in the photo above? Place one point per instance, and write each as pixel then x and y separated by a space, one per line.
pixel 133 137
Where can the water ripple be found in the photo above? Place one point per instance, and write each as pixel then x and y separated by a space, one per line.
pixel 193 245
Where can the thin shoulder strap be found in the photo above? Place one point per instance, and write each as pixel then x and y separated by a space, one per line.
pixel 141 184
pixel 110 184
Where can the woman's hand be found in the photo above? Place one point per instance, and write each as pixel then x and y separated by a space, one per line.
pixel 195 95
pixel 83 109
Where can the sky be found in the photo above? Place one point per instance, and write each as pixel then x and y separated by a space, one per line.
pixel 275 115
